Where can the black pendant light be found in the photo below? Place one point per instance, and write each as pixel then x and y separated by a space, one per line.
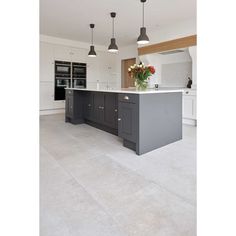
pixel 113 47
pixel 92 52
pixel 143 38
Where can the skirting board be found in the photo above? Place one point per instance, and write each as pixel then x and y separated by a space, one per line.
pixel 51 112
pixel 190 122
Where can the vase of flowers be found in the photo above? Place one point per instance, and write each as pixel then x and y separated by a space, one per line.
pixel 141 73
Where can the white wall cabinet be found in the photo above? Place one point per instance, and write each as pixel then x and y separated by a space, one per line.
pixel 79 55
pixel 108 67
pixel 62 53
pixel 46 62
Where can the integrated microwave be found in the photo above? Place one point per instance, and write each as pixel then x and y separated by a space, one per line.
pixel 62 69
pixel 79 70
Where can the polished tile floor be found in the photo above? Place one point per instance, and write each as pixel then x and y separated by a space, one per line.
pixel 90 185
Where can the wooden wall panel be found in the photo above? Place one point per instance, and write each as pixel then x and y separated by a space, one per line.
pixel 169 45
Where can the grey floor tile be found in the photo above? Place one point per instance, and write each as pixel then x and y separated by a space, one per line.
pixel 92 185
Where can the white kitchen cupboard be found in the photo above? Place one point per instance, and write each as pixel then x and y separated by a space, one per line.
pixel 62 53
pixel 47 97
pixel 107 66
pixel 189 107
pixel 79 55
pixel 92 70
pixel 46 62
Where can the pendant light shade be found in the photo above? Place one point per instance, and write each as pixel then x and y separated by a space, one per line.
pixel 113 47
pixel 92 52
pixel 143 38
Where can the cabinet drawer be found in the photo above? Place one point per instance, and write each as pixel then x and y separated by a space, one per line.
pixel 130 98
pixel 189 92
pixel 69 92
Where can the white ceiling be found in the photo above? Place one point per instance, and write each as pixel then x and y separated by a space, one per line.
pixel 70 19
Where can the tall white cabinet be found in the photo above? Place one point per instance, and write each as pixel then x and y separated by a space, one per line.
pixel 189 107
pixel 47 103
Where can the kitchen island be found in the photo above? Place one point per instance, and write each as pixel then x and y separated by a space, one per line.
pixel 145 120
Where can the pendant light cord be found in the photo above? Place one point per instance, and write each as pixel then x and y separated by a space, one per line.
pixel 113 27
pixel 92 36
pixel 143 14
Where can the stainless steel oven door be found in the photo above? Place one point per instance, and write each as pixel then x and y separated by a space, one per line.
pixel 62 83
pixel 79 83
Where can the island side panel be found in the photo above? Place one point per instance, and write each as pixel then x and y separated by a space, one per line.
pixel 160 120
pixel 74 107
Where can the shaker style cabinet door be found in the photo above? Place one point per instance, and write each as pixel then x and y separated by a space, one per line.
pixel 62 53
pixel 189 107
pixel 110 110
pixel 46 62
pixel 89 106
pixel 99 107
pixel 127 120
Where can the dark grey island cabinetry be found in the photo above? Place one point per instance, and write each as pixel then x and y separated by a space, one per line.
pixel 145 120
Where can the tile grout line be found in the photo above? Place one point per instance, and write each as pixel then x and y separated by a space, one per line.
pixel 156 183
pixel 99 204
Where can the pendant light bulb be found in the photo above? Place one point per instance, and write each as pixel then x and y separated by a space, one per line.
pixel 92 52
pixel 113 47
pixel 143 38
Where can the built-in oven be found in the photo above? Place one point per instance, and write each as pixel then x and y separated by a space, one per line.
pixel 79 70
pixel 62 68
pixel 79 83
pixel 60 85
pixel 65 83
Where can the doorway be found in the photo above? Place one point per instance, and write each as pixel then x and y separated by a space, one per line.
pixel 127 81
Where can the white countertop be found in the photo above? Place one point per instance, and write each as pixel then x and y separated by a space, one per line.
pixel 132 90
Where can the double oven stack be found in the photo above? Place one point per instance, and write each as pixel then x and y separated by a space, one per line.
pixel 68 74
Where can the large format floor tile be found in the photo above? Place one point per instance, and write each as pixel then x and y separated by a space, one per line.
pixel 92 185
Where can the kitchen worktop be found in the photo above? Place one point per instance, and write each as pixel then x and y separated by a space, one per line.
pixel 131 90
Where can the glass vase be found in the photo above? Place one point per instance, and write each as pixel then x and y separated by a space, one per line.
pixel 141 84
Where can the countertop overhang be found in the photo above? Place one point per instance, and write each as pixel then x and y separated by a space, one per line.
pixel 130 90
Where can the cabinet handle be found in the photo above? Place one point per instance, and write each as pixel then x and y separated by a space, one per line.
pixel 89 105
pixel 119 119
pixel 115 110
pixel 126 97
pixel 187 92
pixel 71 107
pixel 102 108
